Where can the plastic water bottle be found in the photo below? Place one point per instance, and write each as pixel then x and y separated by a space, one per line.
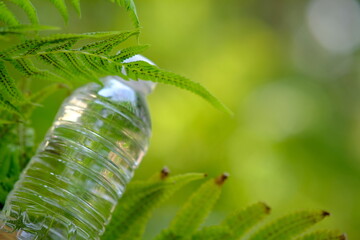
pixel 71 186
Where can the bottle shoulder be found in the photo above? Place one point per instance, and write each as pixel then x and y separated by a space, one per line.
pixel 117 94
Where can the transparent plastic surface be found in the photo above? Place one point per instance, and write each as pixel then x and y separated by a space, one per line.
pixel 71 186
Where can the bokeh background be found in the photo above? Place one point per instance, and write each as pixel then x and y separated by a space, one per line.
pixel 288 69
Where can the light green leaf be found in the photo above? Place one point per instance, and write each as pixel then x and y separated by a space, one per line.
pixel 6 16
pixel 140 199
pixel 241 221
pixel 29 9
pixel 145 71
pixel 19 29
pixel 323 235
pixel 289 226
pixel 194 211
pixel 61 6
pixel 129 5
pixel 76 4
pixel 8 87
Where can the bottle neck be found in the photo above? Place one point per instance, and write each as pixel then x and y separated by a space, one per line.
pixel 144 87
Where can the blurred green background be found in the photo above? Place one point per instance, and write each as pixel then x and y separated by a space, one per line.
pixel 288 69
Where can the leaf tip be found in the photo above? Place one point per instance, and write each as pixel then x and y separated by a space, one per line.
pixel 325 214
pixel 267 208
pixel 164 173
pixel 343 237
pixel 221 179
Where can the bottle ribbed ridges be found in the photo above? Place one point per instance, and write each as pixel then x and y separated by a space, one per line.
pixel 79 172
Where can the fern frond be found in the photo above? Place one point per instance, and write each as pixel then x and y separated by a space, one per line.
pixel 241 221
pixel 19 29
pixel 5 105
pixel 145 71
pixel 33 45
pixel 289 226
pixel 131 8
pixel 107 44
pixel 129 52
pixel 323 235
pixel 61 6
pixel 29 70
pixel 29 9
pixel 76 5
pixel 7 16
pixel 195 210
pixel 8 87
pixel 84 65
pixel 65 63
pixel 139 200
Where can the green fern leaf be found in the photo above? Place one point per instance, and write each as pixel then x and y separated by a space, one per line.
pixel 75 65
pixel 195 210
pixel 27 68
pixel 8 107
pixel 9 18
pixel 140 199
pixel 323 235
pixel 61 6
pixel 129 52
pixel 117 38
pixel 289 226
pixel 90 62
pixel 213 233
pixel 6 15
pixel 78 67
pixel 33 45
pixel 19 29
pixel 8 87
pixel 17 56
pixel 29 9
pixel 243 220
pixel 76 4
pixel 129 5
pixel 145 71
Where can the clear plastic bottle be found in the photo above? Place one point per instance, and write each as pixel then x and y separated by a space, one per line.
pixel 71 186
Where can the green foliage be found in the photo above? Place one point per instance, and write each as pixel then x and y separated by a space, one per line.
pixel 145 71
pixel 241 221
pixel 21 29
pixel 9 18
pixel 6 16
pixel 142 197
pixel 29 9
pixel 83 62
pixel 323 235
pixel 195 210
pixel 290 225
